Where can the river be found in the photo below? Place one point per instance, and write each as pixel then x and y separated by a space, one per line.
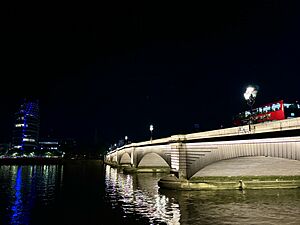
pixel 90 192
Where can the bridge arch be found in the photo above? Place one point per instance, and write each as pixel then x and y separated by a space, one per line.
pixel 125 159
pixel 251 166
pixel 273 147
pixel 152 158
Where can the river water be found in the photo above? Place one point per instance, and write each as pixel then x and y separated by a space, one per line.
pixel 89 192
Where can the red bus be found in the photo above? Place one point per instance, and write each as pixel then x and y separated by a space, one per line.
pixel 279 110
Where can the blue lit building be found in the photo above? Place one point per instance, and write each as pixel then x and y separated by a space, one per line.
pixel 26 128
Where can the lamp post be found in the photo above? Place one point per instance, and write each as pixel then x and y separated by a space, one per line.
pixel 126 138
pixel 151 129
pixel 250 96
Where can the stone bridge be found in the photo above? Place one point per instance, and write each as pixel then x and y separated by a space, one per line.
pixel 186 155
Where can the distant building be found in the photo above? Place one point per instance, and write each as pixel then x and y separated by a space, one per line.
pixel 26 128
pixel 49 144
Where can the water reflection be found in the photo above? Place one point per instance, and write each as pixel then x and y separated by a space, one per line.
pixel 25 188
pixel 138 194
pixel 272 206
pixel 87 193
pixel 17 206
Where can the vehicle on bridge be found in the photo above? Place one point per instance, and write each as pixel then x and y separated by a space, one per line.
pixel 278 110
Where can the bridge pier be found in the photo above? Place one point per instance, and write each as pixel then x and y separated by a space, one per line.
pixel 179 160
pixel 133 157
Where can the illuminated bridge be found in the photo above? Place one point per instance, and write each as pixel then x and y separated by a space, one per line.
pixel 267 149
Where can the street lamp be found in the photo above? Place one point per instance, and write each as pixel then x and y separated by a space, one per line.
pixel 151 129
pixel 250 96
pixel 126 138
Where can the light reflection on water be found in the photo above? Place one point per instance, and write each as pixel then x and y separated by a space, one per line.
pixel 90 193
pixel 270 206
pixel 27 186
pixel 17 206
pixel 139 193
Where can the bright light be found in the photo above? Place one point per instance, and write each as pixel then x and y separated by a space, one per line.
pixel 29 139
pixel 250 91
pixel 250 96
pixel 126 138
pixel 151 127
pixel 20 125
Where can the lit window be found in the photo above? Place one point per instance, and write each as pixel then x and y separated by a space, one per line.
pixel 20 125
pixel 28 139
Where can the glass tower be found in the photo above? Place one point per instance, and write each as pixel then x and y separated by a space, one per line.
pixel 26 127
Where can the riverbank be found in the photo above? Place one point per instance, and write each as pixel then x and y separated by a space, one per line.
pixel 40 161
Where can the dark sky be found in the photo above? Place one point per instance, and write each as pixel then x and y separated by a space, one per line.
pixel 117 68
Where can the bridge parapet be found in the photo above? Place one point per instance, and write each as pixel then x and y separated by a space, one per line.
pixel 281 125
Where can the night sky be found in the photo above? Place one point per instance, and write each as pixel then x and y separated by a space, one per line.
pixel 112 69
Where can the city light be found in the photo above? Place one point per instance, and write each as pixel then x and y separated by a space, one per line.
pixel 250 95
pixel 151 130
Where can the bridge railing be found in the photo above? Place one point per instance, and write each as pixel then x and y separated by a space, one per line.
pixel 280 125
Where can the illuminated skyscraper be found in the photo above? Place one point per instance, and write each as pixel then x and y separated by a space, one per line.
pixel 26 127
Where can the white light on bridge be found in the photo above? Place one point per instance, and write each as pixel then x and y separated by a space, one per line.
pixel 151 129
pixel 251 92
